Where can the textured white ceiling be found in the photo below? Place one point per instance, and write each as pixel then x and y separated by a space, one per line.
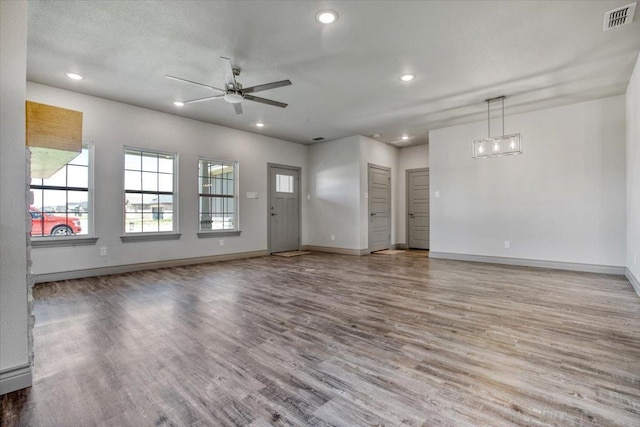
pixel 346 76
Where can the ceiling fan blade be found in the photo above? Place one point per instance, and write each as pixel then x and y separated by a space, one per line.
pixel 178 79
pixel 266 86
pixel 229 78
pixel 238 108
pixel 265 101
pixel 208 98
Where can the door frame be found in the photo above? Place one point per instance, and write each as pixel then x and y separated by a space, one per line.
pixel 269 183
pixel 390 204
pixel 406 208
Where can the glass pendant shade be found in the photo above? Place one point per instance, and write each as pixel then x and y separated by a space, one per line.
pixel 506 145
pixel 496 146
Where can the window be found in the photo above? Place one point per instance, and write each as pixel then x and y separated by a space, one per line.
pixel 61 203
pixel 218 200
pixel 284 183
pixel 149 182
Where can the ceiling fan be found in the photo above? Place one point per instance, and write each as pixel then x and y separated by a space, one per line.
pixel 233 92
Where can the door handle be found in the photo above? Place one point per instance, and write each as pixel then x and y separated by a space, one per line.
pixel 273 214
pixel 372 214
pixel 412 215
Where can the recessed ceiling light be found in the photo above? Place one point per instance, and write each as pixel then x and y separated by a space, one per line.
pixel 404 138
pixel 260 125
pixel 326 16
pixel 408 77
pixel 178 104
pixel 74 76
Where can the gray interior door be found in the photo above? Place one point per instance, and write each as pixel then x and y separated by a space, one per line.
pixel 284 209
pixel 379 208
pixel 418 208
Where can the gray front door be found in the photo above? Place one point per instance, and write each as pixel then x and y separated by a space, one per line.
pixel 284 209
pixel 418 208
pixel 379 208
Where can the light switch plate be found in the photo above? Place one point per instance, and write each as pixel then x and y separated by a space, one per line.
pixel 252 195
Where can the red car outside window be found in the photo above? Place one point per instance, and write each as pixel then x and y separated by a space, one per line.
pixel 46 224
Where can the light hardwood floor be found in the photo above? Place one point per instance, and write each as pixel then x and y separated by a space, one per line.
pixel 322 339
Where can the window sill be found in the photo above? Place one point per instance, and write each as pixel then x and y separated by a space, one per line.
pixel 149 237
pixel 221 233
pixel 51 242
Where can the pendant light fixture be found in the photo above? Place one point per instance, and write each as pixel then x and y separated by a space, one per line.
pixel 505 145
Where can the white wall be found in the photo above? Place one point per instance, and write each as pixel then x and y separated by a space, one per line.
pixel 14 317
pixel 562 200
pixel 416 157
pixel 633 173
pixel 111 126
pixel 334 187
pixel 338 182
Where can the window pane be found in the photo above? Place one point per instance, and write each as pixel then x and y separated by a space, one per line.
pixel 150 213
pixel 133 202
pixel 149 181
pixel 164 213
pixel 284 183
pixel 165 164
pixel 132 160
pixel 132 180
pixel 149 162
pixel 81 159
pixel 37 198
pixel 54 201
pixel 58 179
pixel 205 185
pixel 77 176
pixel 133 222
pixel 165 182
pixel 228 217
pixel 228 187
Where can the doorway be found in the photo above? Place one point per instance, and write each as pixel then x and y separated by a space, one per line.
pixel 283 208
pixel 379 207
pixel 418 208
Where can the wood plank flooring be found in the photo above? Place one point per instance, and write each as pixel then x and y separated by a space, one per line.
pixel 335 340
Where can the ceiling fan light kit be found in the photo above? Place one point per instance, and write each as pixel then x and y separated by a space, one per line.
pixel 233 97
pixel 234 92
pixel 497 146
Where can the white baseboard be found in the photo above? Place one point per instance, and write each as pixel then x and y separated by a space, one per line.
pixel 634 280
pixel 589 268
pixel 342 251
pixel 16 378
pixel 128 268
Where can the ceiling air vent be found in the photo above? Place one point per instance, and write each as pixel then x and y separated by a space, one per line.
pixel 618 17
pixel 318 138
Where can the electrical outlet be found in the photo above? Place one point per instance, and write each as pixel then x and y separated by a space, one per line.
pixel 333 237
pixel 507 244
pixel 103 251
pixel 437 194
pixel 221 242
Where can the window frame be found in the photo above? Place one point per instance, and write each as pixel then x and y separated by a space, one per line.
pixel 75 239
pixel 150 235
pixel 236 199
